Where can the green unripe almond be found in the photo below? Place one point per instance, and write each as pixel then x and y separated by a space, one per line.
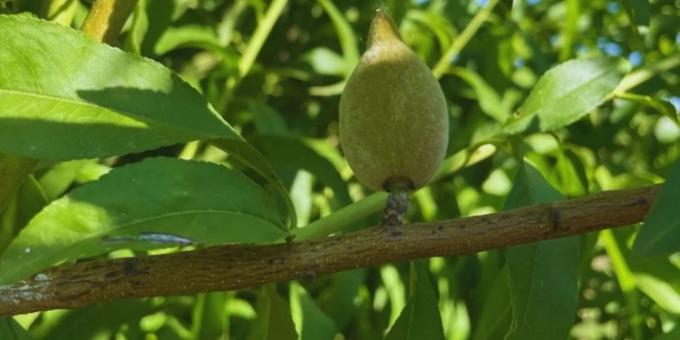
pixel 393 115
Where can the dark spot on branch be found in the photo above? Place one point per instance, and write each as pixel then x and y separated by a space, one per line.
pixel 112 274
pixel 462 226
pixel 554 216
pixel 640 201
pixel 440 227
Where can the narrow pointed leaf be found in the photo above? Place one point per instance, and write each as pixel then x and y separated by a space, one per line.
pixel 157 203
pixel 420 319
pixel 542 275
pixel 274 320
pixel 566 93
pixel 660 233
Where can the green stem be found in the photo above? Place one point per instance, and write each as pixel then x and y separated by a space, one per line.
pixel 642 75
pixel 338 220
pixel 626 281
pixel 375 203
pixel 61 11
pixel 253 49
pixel 462 40
pixel 106 19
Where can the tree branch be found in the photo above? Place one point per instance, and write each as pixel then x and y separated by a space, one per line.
pixel 239 266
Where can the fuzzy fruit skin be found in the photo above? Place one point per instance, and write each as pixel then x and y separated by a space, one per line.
pixel 393 115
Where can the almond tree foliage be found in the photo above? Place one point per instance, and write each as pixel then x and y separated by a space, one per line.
pixel 212 122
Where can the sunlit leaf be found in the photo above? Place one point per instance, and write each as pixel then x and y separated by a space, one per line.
pixel 566 93
pixel 74 98
pixel 157 203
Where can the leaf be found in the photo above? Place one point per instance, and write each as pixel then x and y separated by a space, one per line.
pixel 97 321
pixel 566 93
pixel 74 98
pixel 542 275
pixel 125 104
pixel 487 97
pixel 140 24
pixel 209 317
pixel 311 322
pixel 658 278
pixel 326 62
pixel 660 232
pixel 420 318
pixel 11 330
pixel 339 301
pixel 273 317
pixel 187 36
pixel 57 180
pixel 348 41
pixel 496 312
pixel 141 206
pixel 660 291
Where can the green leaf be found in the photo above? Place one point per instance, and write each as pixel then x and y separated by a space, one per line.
pixel 542 275
pixel 273 317
pixel 150 204
pixel 140 24
pixel 339 301
pixel 660 232
pixel 346 37
pixel 98 321
pixel 487 97
pixel 420 318
pixel 496 312
pixel 311 322
pixel 74 98
pixel 210 319
pixel 327 62
pixel 11 330
pixel 61 176
pixel 187 36
pixel 566 93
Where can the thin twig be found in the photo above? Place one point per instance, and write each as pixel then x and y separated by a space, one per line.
pixel 232 267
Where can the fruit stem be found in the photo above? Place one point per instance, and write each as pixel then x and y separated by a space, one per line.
pixel 395 210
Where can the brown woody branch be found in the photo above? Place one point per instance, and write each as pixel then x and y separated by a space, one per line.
pixel 239 266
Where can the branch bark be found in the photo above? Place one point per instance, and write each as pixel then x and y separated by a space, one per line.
pixel 230 267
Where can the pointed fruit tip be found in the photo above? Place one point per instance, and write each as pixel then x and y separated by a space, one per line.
pixel 382 28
